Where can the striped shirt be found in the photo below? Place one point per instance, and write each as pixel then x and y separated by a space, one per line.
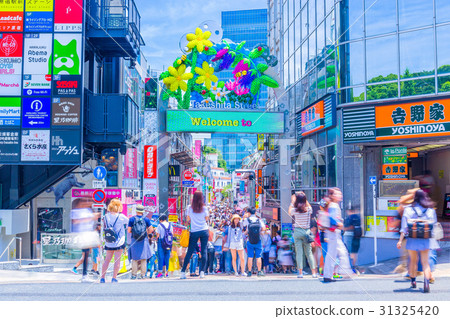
pixel 302 220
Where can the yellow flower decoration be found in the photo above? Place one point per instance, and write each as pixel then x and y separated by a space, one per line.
pixel 206 75
pixel 199 40
pixel 178 77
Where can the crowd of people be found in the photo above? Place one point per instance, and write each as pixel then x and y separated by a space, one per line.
pixel 225 241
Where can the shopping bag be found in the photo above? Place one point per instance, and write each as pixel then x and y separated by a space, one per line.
pixel 184 240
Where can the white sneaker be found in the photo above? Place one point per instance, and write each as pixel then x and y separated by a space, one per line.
pixel 300 276
pixel 314 275
pixel 86 279
pixel 236 274
pixel 182 275
pixel 244 274
pixel 202 274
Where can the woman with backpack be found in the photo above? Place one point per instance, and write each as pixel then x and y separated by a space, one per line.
pixel 197 218
pixel 139 227
pixel 417 222
pixel 300 212
pixel 164 233
pixel 114 229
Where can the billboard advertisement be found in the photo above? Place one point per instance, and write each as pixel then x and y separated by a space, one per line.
pixel 10 111
pixel 9 146
pixel 35 145
pixel 69 16
pixel 11 21
pixel 224 121
pixel 65 146
pixel 38 21
pixel 67 54
pixel 66 111
pixel 36 112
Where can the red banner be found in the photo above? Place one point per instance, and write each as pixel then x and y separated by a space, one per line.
pixel 172 206
pixel 150 161
pixel 11 21
pixel 11 45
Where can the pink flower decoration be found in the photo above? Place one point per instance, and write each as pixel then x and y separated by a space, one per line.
pixel 231 85
pixel 241 66
pixel 241 90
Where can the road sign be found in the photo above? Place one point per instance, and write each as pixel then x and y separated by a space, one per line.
pixel 98 184
pixel 372 180
pixel 100 172
pixel 188 183
pixel 99 196
pixel 187 175
pixel 96 206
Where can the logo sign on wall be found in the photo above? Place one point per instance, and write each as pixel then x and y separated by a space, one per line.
pixel 9 146
pixel 38 21
pixel 11 21
pixel 36 112
pixel 66 111
pixel 10 111
pixel 35 145
pixel 37 53
pixel 39 5
pixel 10 60
pixel 66 85
pixel 67 54
pixel 318 116
pixel 150 161
pixel 65 146
pixel 36 84
pixel 69 15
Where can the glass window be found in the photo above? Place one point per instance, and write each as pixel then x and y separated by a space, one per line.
pixel 321 79
pixel 297 29
pixel 285 17
pixel 331 72
pixel 354 53
pixel 321 139
pixel 417 87
pixel 330 30
pixel 356 94
pixel 313 86
pixel 443 49
pixel 291 39
pixel 382 91
pixel 416 53
pixel 321 165
pixel 312 14
pixel 442 10
pixel 285 46
pixel 291 70
pixel 298 65
pixel 444 83
pixel 381 66
pixel 321 41
pixel 331 165
pixel 320 10
pixel 312 45
pixel 354 25
pixel 329 5
pixel 305 22
pixel 305 92
pixel 286 74
pixel 331 135
pixel 305 57
pixel 381 17
pixel 415 13
pixel 291 11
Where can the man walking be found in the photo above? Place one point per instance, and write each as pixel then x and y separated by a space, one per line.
pixel 255 229
pixel 139 227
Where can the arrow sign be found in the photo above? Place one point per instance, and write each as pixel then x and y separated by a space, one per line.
pixel 99 196
pixel 100 172
pixel 372 180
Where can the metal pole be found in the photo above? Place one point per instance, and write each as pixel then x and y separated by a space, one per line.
pixel 374 190
pixel 20 254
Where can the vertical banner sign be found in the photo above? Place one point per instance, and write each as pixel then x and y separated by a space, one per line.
pixel 68 15
pixel 10 111
pixel 10 63
pixel 66 111
pixel 130 169
pixel 37 78
pixel 260 142
pixel 150 191
pixel 65 146
pixel 259 181
pixel 271 142
pixel 198 149
pixel 150 161
pixel 67 54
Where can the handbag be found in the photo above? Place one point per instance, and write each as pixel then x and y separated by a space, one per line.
pixel 309 237
pixel 85 240
pixel 184 239
pixel 438 231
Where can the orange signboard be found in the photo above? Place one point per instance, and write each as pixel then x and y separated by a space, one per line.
pixel 395 171
pixel 413 119
pixel 11 21
pixel 313 118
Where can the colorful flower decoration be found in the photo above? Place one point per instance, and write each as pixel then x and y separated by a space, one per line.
pixel 198 40
pixel 231 85
pixel 206 75
pixel 241 90
pixel 178 77
pixel 208 100
pixel 220 93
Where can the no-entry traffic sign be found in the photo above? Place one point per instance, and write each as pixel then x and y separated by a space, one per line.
pixel 187 175
pixel 99 196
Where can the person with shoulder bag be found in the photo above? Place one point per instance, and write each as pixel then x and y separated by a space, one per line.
pixel 114 231
pixel 164 233
pixel 417 224
pixel 300 211
pixel 139 227
pixel 255 230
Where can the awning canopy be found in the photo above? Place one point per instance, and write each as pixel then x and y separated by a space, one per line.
pixel 186 159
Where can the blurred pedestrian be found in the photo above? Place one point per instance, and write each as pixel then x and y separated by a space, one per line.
pixel 354 230
pixel 164 233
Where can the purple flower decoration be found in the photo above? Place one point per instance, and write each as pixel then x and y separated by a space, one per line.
pixel 220 55
pixel 226 61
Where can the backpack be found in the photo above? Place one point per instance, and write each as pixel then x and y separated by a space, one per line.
pixel 167 240
pixel 110 233
pixel 254 229
pixel 139 229
pixel 357 230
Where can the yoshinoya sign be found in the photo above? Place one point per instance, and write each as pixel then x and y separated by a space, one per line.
pixel 224 121
pixel 65 111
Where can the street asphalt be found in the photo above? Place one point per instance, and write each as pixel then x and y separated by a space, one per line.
pixel 228 288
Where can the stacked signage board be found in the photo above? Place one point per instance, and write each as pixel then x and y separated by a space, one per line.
pixel 41 60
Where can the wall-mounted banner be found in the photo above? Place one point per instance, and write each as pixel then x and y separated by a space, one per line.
pixel 16 6
pixel 10 111
pixel 11 21
pixel 39 5
pixel 130 164
pixel 36 112
pixel 38 21
pixel 67 53
pixel 65 146
pixel 65 111
pixel 69 16
pixel 35 145
pixel 67 85
pixel 37 53
pixel 318 116
pixel 37 84
pixel 224 121
pixel 150 161
pixel 271 142
pixel 260 142
pixel 9 146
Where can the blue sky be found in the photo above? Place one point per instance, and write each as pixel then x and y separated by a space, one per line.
pixel 164 22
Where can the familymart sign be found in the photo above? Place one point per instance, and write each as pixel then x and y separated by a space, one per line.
pixel 225 121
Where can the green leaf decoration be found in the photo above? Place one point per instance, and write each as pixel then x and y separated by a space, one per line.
pixel 256 84
pixel 238 58
pixel 240 46
pixel 221 84
pixel 232 53
pixel 262 67
pixel 165 96
pixel 255 53
pixel 247 61
pixel 164 75
pixel 210 51
pixel 226 43
pixel 267 80
pixel 254 72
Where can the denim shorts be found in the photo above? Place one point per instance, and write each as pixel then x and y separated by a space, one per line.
pixel 254 250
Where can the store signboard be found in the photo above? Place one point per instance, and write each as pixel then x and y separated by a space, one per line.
pixel 9 146
pixel 35 145
pixel 224 121
pixel 14 6
pixel 150 161
pixel 359 124
pixel 395 163
pixel 130 163
pixel 39 5
pixel 65 146
pixel 66 111
pixel 110 193
pixel 36 112
pixel 10 58
pixel 10 111
pixel 395 171
pixel 313 119
pixel 38 21
pixel 11 21
pixel 67 57
pixel 391 151
pixel 37 53
pixel 36 84
pixel 260 142
pixel 172 206
pixel 271 142
pixel 66 85
pixel 68 15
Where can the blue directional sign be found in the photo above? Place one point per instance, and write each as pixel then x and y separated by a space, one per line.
pixel 36 112
pixel 100 172
pixel 372 180
pixel 188 183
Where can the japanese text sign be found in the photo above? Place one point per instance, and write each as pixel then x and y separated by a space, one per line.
pixel 150 161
